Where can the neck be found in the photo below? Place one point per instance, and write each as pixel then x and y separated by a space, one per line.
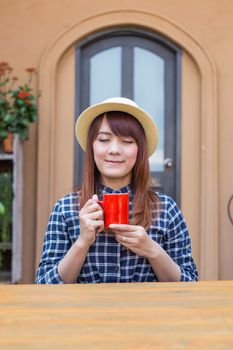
pixel 115 184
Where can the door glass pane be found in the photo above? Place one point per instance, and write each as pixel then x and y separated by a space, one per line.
pixel 149 72
pixel 105 75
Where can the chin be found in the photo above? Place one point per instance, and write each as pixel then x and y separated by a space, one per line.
pixel 114 176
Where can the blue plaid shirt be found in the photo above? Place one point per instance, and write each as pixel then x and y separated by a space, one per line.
pixel 107 260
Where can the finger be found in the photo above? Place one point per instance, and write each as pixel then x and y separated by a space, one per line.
pixel 123 227
pixel 95 197
pixel 96 215
pixel 91 201
pixel 88 203
pixel 97 224
pixel 123 233
pixel 125 240
pixel 100 229
pixel 92 207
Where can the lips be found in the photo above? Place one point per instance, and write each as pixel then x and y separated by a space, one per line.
pixel 115 162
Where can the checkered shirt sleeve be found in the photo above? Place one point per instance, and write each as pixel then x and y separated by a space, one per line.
pixel 57 239
pixel 176 239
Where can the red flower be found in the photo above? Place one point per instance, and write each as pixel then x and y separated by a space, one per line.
pixel 23 94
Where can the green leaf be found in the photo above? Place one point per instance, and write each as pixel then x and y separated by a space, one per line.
pixel 3 134
pixel 23 134
pixel 2 209
pixel 8 118
pixel 6 197
pixel 25 122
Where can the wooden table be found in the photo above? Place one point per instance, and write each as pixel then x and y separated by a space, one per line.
pixel 117 316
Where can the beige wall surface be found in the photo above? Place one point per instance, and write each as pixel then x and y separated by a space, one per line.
pixel 29 27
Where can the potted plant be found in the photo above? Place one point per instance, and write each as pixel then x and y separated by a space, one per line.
pixel 18 105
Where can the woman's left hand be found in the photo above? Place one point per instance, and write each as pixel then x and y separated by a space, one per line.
pixel 135 238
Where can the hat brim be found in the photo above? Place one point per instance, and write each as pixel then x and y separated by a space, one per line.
pixel 88 115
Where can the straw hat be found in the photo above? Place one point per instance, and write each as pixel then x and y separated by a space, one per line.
pixel 121 104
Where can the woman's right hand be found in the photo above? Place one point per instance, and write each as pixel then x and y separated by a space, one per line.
pixel 91 221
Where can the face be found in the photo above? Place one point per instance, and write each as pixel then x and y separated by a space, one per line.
pixel 114 156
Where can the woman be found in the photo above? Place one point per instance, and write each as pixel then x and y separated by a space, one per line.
pixel 118 137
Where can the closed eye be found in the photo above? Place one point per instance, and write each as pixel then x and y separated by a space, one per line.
pixel 103 140
pixel 127 140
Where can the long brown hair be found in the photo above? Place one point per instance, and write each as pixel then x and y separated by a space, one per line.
pixel 122 124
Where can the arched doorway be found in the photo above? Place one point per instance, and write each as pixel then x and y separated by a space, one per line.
pixel 53 183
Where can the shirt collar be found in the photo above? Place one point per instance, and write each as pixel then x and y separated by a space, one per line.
pixel 106 189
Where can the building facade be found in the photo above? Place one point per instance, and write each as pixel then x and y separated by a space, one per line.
pixel 67 42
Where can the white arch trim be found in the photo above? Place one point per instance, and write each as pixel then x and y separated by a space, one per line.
pixel 208 72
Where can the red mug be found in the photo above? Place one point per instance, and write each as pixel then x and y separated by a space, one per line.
pixel 116 208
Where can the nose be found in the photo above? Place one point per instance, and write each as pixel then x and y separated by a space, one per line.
pixel 114 147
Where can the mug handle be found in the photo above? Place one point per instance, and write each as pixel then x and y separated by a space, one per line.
pixel 101 203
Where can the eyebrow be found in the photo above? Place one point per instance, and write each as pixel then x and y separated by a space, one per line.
pixel 104 132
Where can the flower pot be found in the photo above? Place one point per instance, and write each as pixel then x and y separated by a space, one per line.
pixel 7 144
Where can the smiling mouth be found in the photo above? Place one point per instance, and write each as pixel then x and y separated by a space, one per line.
pixel 114 161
